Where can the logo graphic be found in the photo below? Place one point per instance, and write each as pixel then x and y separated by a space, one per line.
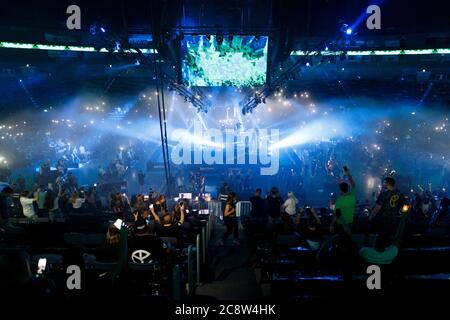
pixel 74 280
pixel 374 280
pixel 374 20
pixel 74 20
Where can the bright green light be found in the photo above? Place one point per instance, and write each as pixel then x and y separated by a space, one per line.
pixel 240 62
pixel 13 45
pixel 377 52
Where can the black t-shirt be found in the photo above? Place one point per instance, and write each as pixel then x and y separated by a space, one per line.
pixel 390 202
pixel 258 208
pixel 171 231
pixel 274 206
pixel 149 243
pixel 233 206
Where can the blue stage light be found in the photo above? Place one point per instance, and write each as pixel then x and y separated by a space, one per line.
pixel 349 31
pixel 103 29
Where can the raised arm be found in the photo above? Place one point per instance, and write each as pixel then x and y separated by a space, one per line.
pixel 155 216
pixel 181 208
pixel 349 176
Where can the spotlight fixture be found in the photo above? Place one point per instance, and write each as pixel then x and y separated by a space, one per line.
pixel 346 29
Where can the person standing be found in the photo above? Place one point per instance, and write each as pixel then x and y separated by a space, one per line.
pixel 386 208
pixel 290 205
pixel 258 207
pixel 230 220
pixel 27 205
pixel 274 202
pixel 345 203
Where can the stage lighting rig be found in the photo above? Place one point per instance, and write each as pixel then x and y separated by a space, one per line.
pixel 248 104
pixel 192 94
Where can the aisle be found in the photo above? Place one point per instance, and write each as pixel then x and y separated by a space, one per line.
pixel 232 273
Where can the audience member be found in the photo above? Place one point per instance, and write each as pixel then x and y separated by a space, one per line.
pixel 274 202
pixel 230 220
pixel 27 205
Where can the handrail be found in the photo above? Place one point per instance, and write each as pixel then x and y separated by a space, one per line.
pixel 204 244
pixel 207 234
pixel 190 277
pixel 176 283
pixel 198 246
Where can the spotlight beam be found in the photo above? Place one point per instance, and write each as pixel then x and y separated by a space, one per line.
pixel 250 103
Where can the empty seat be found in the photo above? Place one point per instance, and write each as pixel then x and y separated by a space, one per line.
pixel 73 239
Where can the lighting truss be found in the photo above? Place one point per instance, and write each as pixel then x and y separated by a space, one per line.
pixel 192 95
pixel 252 102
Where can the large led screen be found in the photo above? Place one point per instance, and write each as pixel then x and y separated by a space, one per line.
pixel 239 61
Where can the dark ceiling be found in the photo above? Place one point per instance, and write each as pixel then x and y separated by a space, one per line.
pixel 54 77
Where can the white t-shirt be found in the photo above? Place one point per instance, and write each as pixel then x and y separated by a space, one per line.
pixel 290 206
pixel 27 206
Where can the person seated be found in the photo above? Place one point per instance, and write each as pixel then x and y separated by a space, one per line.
pixel 440 221
pixel 110 249
pixel 312 231
pixel 77 202
pixel 385 249
pixel 27 205
pixel 167 228
pixel 286 227
pixel 159 207
pixel 140 203
pixel 143 240
pixel 178 215
pixel 118 209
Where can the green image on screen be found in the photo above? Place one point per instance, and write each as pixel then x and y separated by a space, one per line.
pixel 240 61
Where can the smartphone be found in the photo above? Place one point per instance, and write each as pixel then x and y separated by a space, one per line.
pixel 145 198
pixel 118 223
pixel 151 206
pixel 42 264
pixel 95 185
pixel 405 208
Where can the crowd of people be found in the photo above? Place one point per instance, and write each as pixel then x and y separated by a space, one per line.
pixel 423 213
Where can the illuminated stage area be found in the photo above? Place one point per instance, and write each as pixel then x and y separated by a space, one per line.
pixel 200 152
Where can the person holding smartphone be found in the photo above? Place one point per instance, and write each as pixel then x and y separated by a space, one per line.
pixel 230 220
pixel 346 203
